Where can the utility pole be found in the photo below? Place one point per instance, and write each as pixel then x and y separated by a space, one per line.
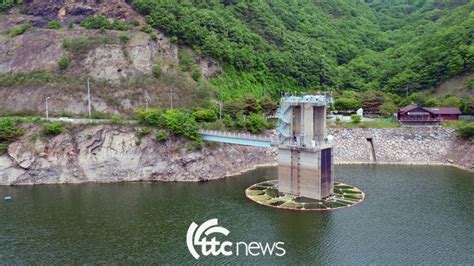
pixel 47 109
pixel 407 91
pixel 146 103
pixel 220 109
pixel 89 99
pixel 171 97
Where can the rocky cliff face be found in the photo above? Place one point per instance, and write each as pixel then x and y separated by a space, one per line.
pixel 111 154
pixel 120 71
pixel 41 49
pixel 76 11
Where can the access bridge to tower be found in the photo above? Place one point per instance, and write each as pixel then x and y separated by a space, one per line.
pixel 239 138
pixel 305 154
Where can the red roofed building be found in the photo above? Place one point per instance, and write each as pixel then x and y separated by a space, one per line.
pixel 417 115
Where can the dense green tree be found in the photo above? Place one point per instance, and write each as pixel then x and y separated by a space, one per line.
pixel 398 46
pixel 205 115
pixel 182 124
pixel 5 5
pixel 151 117
pixel 196 74
pixel 186 60
pixel 372 101
pixel 466 131
pixel 346 104
pixel 9 130
pixel 470 83
pixel 232 108
pixel 468 105
pixel 96 22
pixel 452 101
pixel 268 105
pixel 251 105
pixel 388 108
pixel 256 123
pixel 415 98
pixel 101 22
pixel 432 102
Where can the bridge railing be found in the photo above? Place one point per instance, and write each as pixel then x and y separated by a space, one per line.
pixel 237 135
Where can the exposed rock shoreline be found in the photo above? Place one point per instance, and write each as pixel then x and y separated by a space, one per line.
pixel 112 154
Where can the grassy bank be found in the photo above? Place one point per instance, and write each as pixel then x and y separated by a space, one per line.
pixel 365 124
pixel 464 129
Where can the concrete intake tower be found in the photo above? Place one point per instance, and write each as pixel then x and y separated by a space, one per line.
pixel 305 156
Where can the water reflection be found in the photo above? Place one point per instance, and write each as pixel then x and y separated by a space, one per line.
pixel 423 213
pixel 305 234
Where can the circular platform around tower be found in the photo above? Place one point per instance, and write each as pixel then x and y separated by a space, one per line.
pixel 266 193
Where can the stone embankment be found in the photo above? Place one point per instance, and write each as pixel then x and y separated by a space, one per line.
pixel 409 145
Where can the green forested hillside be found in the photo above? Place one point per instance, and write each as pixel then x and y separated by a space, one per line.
pixel 282 45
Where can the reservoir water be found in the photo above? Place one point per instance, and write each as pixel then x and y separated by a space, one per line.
pixel 411 214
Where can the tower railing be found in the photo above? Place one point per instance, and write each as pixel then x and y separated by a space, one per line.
pixel 285 116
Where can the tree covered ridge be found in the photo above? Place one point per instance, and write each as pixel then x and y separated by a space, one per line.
pixel 312 45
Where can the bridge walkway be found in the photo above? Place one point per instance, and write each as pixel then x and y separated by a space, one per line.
pixel 238 138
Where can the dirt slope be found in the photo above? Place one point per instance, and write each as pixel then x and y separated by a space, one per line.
pixel 120 71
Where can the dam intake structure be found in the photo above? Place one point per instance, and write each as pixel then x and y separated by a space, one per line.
pixel 305 160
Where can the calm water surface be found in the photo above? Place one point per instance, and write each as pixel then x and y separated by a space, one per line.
pixel 411 214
